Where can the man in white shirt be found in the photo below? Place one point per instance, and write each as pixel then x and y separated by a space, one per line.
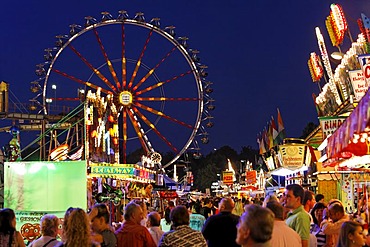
pixel 282 234
pixel 153 223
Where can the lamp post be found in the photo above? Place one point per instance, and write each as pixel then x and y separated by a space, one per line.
pixel 49 101
pixel 54 87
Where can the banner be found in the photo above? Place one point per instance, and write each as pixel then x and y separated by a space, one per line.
pixel 227 177
pixel 358 83
pixel 330 124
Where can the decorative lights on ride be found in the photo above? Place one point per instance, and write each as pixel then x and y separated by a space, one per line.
pixel 315 67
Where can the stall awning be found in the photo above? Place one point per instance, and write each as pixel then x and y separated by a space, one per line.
pixel 353 134
pixel 168 181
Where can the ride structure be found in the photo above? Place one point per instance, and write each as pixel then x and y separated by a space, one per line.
pixel 143 87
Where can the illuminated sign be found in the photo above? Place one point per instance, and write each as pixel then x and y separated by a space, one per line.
pixel 227 177
pixel 292 156
pixel 330 124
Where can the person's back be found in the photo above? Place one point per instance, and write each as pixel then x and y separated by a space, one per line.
pixel 49 229
pixel 282 234
pixel 196 219
pixel 220 229
pixel 182 235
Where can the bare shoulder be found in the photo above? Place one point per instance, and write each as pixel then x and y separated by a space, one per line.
pixel 19 238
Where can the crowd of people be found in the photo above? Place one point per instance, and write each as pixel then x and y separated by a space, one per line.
pixel 296 218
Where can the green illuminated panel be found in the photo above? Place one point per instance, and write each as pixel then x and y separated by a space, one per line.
pixel 45 186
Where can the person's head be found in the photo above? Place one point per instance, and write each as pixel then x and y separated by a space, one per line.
pixel 336 211
pixel 207 202
pixel 49 225
pixel 167 213
pixel 197 207
pixel 317 212
pixel 309 199
pixel 7 221
pixel 269 198
pixel 143 206
pixel 180 216
pixel 226 205
pixel 255 225
pixel 319 198
pixel 154 219
pixel 294 195
pixel 134 213
pixel 277 209
pixel 78 230
pixel 351 234
pixel 99 217
pixel 171 204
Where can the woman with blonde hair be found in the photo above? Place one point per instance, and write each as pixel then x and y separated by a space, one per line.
pixel 76 230
pixel 351 235
pixel 49 230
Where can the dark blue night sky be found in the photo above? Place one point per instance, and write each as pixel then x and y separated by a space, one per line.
pixel 256 51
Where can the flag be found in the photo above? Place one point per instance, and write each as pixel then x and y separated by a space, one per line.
pixel 270 138
pixel 281 128
pixel 261 144
pixel 274 132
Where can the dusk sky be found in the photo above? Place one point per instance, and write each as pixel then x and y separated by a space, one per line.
pixel 256 53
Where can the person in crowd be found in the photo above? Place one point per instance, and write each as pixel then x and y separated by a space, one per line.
pixel 143 206
pixel 206 210
pixel 282 234
pixel 49 225
pixel 255 227
pixel 333 218
pixel 9 236
pixel 351 235
pixel 182 235
pixel 132 233
pixel 297 219
pixel 153 224
pixel 220 229
pixel 269 198
pixel 166 221
pixel 316 214
pixel 308 200
pixel 320 198
pixel 77 231
pixel 102 231
pixel 196 219
pixel 238 208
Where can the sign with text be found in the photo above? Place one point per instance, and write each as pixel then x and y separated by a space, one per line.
pixel 227 177
pixel 330 124
pixel 365 66
pixel 292 155
pixel 251 177
pixel 358 83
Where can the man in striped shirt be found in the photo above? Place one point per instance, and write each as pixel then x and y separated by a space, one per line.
pixel 182 235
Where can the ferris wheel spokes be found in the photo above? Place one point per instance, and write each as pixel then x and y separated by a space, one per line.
pixel 96 71
pixel 140 132
pixel 139 60
pixel 162 83
pixel 151 110
pixel 152 126
pixel 153 69
pixel 165 99
pixel 124 146
pixel 86 83
pixel 124 72
pixel 109 63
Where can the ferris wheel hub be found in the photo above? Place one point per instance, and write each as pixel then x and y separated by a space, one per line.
pixel 125 98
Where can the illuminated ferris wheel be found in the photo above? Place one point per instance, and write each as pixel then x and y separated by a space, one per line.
pixel 143 86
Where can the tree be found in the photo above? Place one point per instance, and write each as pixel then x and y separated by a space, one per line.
pixel 308 130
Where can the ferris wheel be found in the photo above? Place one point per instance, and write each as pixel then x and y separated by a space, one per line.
pixel 145 86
